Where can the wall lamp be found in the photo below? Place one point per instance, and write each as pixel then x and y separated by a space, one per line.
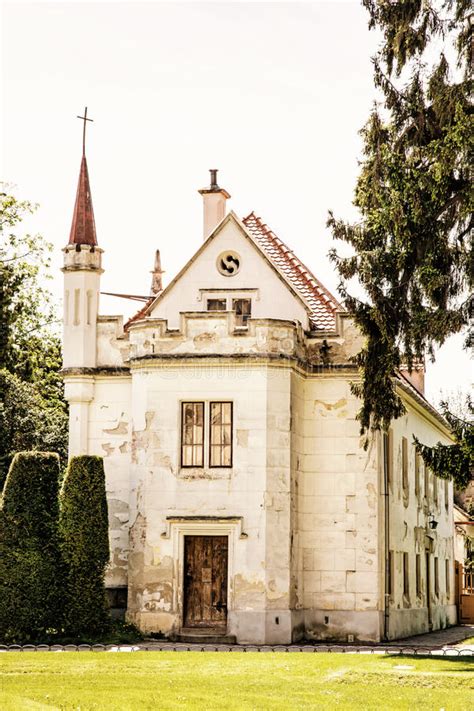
pixel 432 523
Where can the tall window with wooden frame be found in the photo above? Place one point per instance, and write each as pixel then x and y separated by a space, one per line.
pixel 405 464
pixel 220 434
pixel 417 475
pixel 390 573
pixel 387 441
pixel 418 575
pixel 436 577
pixel 406 575
pixel 427 481
pixel 447 574
pixel 192 434
pixel 435 488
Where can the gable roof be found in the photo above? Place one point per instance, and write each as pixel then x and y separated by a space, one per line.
pixel 321 304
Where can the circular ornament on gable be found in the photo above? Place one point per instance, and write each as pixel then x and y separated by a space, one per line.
pixel 228 263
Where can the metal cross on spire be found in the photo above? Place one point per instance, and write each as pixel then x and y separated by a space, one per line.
pixel 84 118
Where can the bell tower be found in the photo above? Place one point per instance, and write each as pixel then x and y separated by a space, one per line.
pixel 82 269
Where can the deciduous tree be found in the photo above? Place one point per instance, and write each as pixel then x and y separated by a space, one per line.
pixel 29 343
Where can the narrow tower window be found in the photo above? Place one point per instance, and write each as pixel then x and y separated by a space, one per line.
pixel 77 304
pixel 90 296
pixel 66 307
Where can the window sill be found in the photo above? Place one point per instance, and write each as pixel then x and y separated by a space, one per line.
pixel 204 473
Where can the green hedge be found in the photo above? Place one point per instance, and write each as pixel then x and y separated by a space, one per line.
pixel 85 546
pixel 30 567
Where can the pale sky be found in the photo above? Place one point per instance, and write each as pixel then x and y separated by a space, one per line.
pixel 271 94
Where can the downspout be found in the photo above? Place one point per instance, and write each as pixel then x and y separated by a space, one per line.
pixel 386 454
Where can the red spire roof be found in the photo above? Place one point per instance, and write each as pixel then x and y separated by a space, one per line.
pixel 322 302
pixel 83 224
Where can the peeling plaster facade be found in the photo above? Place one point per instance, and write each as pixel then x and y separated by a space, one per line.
pixel 303 505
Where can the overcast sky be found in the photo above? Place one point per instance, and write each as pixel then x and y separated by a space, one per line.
pixel 271 94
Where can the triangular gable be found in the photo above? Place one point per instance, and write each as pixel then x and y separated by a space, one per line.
pixel 248 235
pixel 319 304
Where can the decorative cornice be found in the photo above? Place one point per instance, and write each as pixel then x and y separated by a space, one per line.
pixel 99 370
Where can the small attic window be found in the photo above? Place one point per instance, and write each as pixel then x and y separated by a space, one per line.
pixel 243 311
pixel 217 304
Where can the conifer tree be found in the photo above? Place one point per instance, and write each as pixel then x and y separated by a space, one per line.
pixel 30 569
pixel 412 249
pixel 85 546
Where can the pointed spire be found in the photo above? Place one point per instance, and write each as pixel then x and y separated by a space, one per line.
pixel 156 283
pixel 83 223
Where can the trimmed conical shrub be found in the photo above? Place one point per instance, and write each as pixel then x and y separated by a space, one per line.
pixel 30 569
pixel 85 546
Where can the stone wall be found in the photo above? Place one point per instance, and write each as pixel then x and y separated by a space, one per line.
pixel 410 532
pixel 338 516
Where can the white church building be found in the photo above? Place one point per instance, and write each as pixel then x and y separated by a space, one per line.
pixel 242 503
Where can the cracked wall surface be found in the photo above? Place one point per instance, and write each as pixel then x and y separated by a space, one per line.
pixel 110 437
pixel 307 494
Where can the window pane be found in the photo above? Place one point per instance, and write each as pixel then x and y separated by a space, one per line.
pixel 405 463
pixel 216 305
pixel 220 450
pixel 216 413
pixel 192 434
pixel 226 413
pixel 242 308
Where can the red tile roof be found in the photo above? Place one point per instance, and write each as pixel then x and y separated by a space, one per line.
pixel 323 305
pixel 140 314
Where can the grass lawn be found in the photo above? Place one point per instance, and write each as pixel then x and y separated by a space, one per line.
pixel 212 680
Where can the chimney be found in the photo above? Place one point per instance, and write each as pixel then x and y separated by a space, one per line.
pixel 156 283
pixel 214 199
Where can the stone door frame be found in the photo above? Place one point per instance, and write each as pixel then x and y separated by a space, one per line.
pixel 178 528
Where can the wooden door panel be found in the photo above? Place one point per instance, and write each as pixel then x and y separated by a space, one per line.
pixel 205 581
